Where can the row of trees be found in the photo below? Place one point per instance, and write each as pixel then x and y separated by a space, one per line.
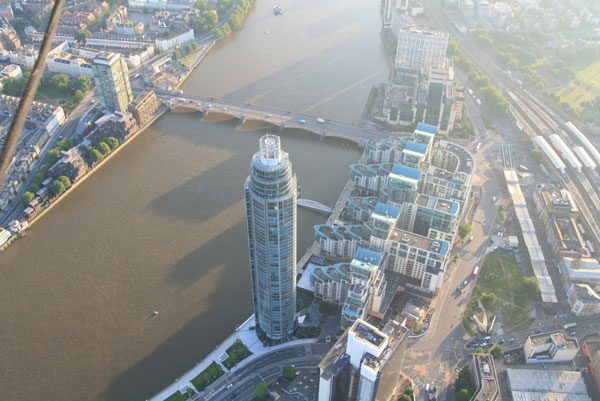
pixel 463 391
pixel 56 188
pixel 98 152
pixel 189 48
pixel 492 96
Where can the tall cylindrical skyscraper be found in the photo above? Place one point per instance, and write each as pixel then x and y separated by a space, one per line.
pixel 271 194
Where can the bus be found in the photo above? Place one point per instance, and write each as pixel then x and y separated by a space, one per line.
pixel 478 146
pixel 569 325
pixel 523 168
pixel 581 229
pixel 590 247
pixel 475 271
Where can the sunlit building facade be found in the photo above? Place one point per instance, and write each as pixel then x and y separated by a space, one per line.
pixel 271 195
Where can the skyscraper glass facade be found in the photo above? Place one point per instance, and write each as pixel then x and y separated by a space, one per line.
pixel 271 194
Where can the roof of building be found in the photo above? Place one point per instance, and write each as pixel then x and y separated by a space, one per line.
pixel 420 242
pixel 586 294
pixel 368 333
pixel 487 381
pixel 400 171
pixel 539 383
pixel 559 338
pixel 416 147
pixel 432 129
pixel 366 259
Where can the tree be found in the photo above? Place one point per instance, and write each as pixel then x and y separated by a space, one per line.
pixel 201 5
pixel 112 142
pixel 463 395
pixel 82 83
pixel 480 350
pixel 452 48
pixel 78 96
pixel 464 229
pixel 530 285
pixel 289 372
pixel 103 148
pixel 19 23
pixel 188 48
pixel 261 391
pixel 473 75
pixel 94 156
pixel 497 351
pixel 13 87
pixel 57 187
pixel 145 9
pixel 156 49
pixel 27 197
pixel 53 156
pixel 177 53
pixel 536 155
pixel 482 81
pixel 82 35
pixel 464 378
pixel 61 82
pixel 409 392
pixel 404 397
pixel 65 181
pixel 489 301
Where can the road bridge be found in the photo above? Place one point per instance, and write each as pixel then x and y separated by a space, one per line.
pixel 280 118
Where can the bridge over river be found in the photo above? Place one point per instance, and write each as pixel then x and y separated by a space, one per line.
pixel 279 118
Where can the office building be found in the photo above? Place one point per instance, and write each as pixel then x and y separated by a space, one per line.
pixel 271 195
pixel 591 348
pixel 550 347
pixel 484 377
pixel 584 301
pixel 144 106
pixel 351 368
pixel 539 384
pixel 418 49
pixel 112 79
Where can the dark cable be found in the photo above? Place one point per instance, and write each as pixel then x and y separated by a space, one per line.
pixel 31 87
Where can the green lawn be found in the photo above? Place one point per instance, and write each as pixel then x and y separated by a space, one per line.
pixel 208 376
pixel 503 278
pixel 303 299
pixel 44 92
pixel 189 58
pixel 327 309
pixel 308 332
pixel 177 396
pixel 236 353
pixel 586 86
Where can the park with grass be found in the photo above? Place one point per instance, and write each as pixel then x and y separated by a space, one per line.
pixel 235 354
pixel 503 290
pixel 177 396
pixel 208 376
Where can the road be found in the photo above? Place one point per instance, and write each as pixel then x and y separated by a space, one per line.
pixel 433 358
pixel 241 384
pixel 66 131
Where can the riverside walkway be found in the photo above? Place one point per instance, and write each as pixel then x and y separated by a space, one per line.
pixel 280 118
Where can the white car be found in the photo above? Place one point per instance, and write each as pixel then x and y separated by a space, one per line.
pixel 320 120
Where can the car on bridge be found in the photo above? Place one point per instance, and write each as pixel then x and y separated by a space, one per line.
pixel 320 120
pixel 302 121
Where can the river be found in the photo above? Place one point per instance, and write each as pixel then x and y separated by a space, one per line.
pixel 161 226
